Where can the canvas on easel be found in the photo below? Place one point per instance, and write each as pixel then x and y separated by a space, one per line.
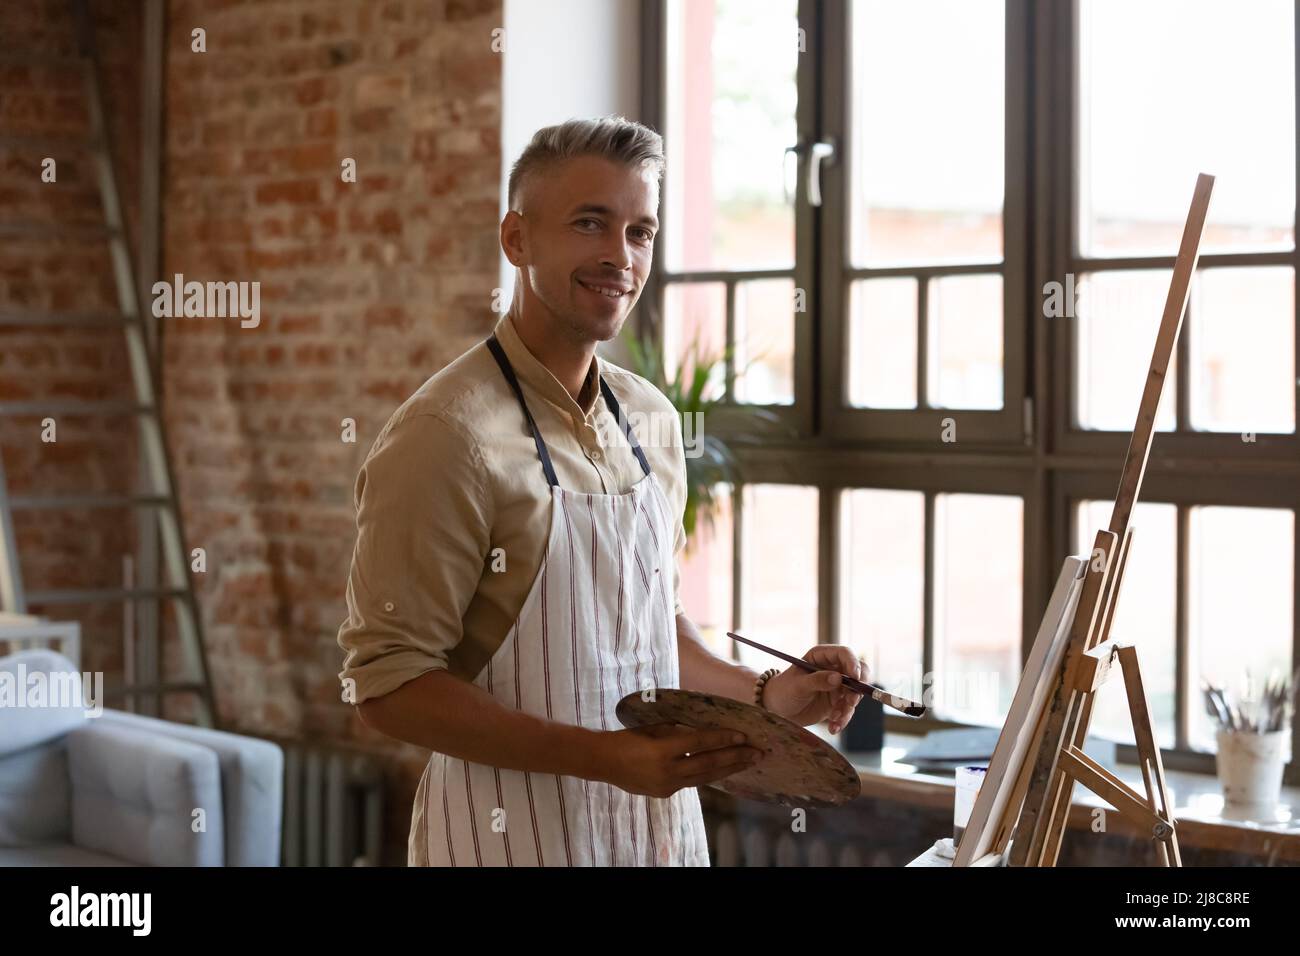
pixel 1027 707
pixel 1039 755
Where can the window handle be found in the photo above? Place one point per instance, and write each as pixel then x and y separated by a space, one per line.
pixel 820 151
pixel 816 152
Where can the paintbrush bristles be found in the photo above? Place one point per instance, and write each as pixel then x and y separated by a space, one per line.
pixel 1270 711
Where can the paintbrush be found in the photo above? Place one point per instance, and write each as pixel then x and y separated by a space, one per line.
pixel 909 707
pixel 1213 705
pixel 1270 711
pixel 1281 700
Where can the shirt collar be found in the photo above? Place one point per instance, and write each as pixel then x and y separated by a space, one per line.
pixel 529 369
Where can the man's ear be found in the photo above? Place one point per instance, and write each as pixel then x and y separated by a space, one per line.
pixel 514 238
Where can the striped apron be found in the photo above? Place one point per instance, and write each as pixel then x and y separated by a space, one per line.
pixel 596 625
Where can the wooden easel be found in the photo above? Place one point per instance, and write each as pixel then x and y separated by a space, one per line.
pixel 1047 782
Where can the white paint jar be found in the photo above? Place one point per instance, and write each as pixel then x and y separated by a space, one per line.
pixel 1250 767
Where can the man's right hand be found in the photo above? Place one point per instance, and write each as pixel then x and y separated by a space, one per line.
pixel 660 759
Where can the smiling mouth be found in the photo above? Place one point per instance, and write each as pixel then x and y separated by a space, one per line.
pixel 609 292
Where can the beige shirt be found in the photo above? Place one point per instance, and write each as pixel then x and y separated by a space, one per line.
pixel 453 508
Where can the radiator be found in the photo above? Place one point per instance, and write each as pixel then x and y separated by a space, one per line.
pixel 333 806
pixel 754 845
pixel 748 834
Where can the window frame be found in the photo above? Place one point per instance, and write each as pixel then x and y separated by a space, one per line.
pixel 797 420
pixel 923 426
pixel 1067 259
pixel 1030 448
pixel 1173 487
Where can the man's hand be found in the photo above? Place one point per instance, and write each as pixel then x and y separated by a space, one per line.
pixel 660 759
pixel 808 698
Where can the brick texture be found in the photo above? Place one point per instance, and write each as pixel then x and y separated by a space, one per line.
pixel 367 288
pixel 69 548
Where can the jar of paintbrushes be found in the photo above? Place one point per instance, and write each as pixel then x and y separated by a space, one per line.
pixel 1254 737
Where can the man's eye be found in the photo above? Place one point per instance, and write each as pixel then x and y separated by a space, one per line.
pixel 646 234
pixel 592 221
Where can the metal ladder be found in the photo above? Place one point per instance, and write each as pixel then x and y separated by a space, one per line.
pixel 159 496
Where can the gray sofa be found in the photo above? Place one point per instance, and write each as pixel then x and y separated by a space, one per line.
pixel 119 789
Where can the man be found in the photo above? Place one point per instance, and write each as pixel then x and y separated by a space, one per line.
pixel 508 585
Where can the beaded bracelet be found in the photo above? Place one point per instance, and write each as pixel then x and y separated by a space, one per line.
pixel 762 680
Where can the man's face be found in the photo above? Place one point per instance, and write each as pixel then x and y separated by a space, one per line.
pixel 586 242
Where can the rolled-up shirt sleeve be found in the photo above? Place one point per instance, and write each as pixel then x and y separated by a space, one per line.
pixel 423 533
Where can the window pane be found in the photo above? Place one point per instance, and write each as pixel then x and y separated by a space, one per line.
pixel 965 346
pixel 705 569
pixel 765 341
pixel 927 126
pixel 1172 88
pixel 1146 616
pixel 1241 570
pixel 731 97
pixel 779 562
pixel 978 557
pixel 882 343
pixel 695 318
pixel 1243 350
pixel 883 589
pixel 1117 316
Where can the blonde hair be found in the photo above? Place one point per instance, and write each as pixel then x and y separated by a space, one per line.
pixel 611 137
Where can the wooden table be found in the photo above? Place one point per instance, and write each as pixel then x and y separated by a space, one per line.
pixel 1201 817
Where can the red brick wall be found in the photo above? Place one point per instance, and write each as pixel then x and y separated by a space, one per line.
pixel 367 288
pixel 66 549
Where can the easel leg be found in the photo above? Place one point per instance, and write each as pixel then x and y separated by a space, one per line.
pixel 1153 772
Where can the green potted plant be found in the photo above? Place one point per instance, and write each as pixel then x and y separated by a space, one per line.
pixel 690 393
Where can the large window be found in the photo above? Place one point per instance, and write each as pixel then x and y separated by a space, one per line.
pixel 938 236
pixel 728 262
pixel 926 233
pixel 1166 89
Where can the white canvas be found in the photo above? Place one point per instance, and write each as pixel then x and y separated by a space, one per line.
pixel 1031 699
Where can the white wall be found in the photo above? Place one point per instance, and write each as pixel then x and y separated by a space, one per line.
pixel 564 59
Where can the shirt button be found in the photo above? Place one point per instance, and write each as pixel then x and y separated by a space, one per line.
pixel 388 605
pixel 595 454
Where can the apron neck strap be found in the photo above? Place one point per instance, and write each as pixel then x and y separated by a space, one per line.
pixel 615 409
pixel 499 354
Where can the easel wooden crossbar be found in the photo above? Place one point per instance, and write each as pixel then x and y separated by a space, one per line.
pixel 1041 798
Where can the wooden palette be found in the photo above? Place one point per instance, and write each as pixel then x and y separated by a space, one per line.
pixel 799 769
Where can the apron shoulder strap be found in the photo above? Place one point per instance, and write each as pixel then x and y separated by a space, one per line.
pixel 499 354
pixel 617 411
